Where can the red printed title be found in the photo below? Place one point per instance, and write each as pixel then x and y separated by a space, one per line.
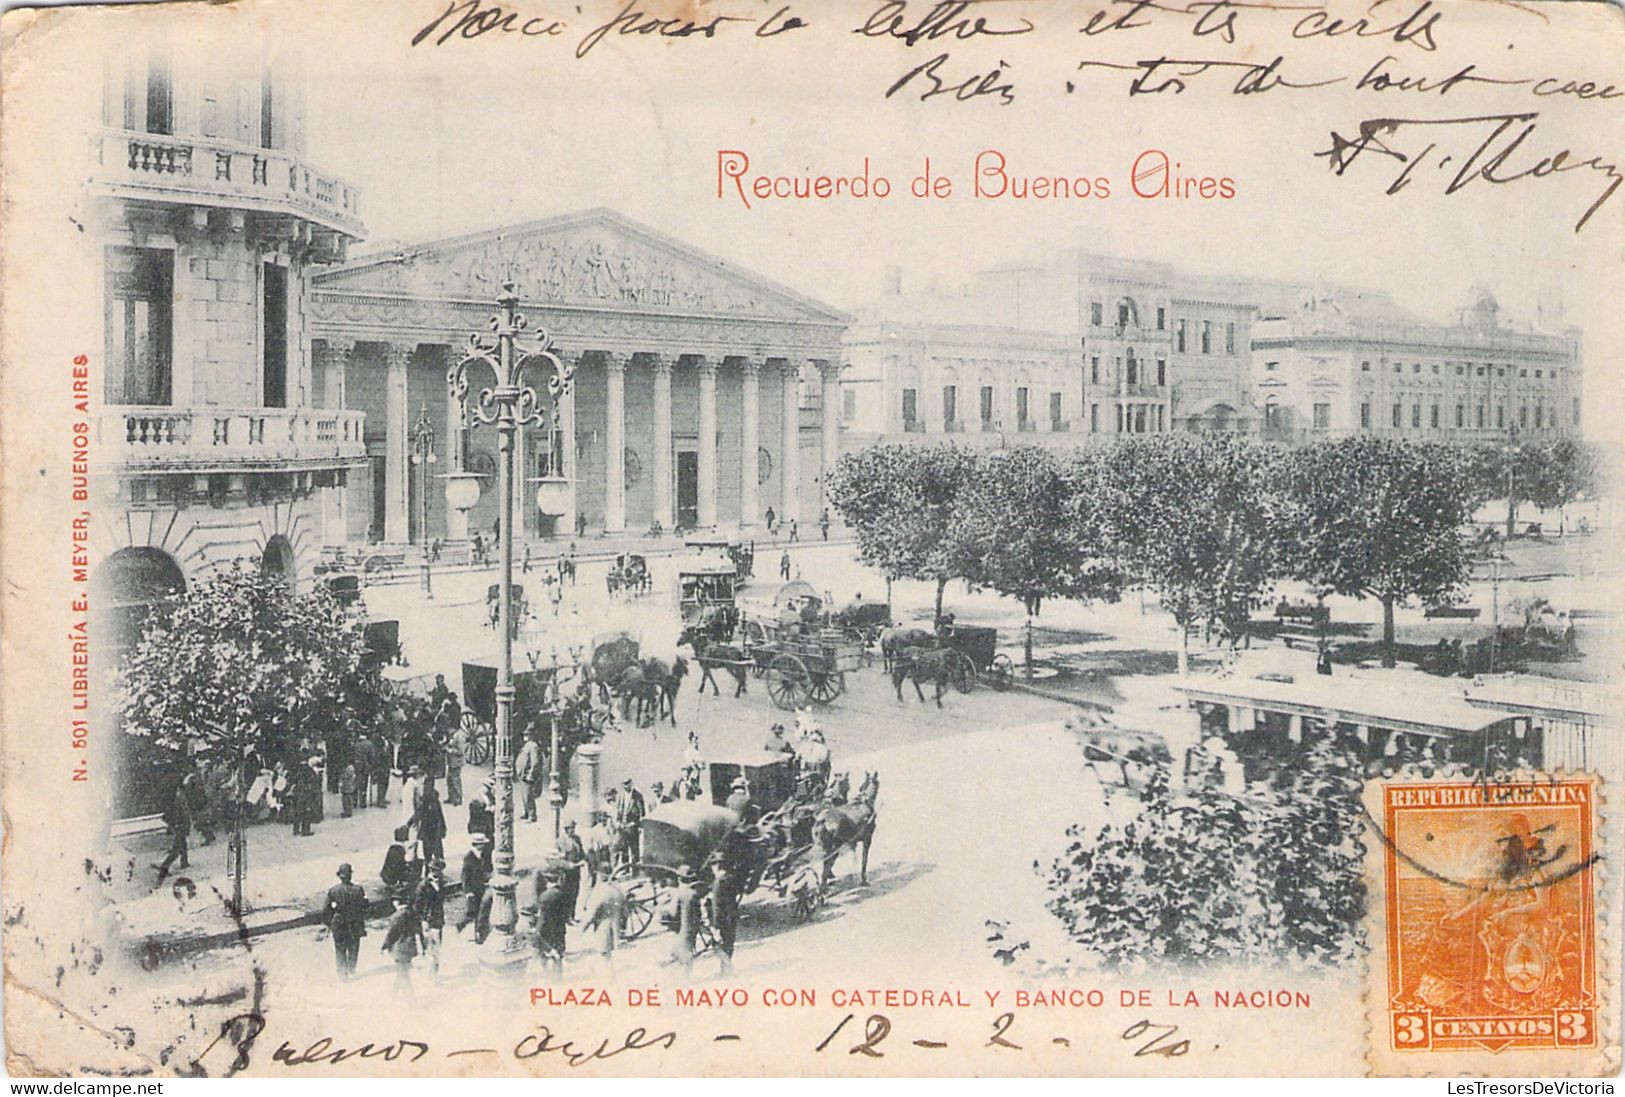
pixel 1153 174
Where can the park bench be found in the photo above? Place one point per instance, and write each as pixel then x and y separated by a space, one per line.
pixel 1466 613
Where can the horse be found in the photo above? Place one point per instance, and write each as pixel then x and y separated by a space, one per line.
pixel 664 681
pixel 713 656
pixel 852 823
pixel 837 789
pixel 913 664
pixel 635 686
pixel 894 640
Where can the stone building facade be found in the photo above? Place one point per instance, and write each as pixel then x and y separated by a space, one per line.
pixel 1075 348
pixel 210 219
pixel 1343 362
pixel 698 393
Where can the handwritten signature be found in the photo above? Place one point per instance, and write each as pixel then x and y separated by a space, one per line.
pixel 1500 156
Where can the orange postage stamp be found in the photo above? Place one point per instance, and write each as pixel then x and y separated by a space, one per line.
pixel 1489 901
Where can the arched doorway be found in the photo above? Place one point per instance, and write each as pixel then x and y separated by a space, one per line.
pixel 277 560
pixel 124 588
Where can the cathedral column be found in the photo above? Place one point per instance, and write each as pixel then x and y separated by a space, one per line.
pixel 662 462
pixel 615 445
pixel 830 373
pixel 749 472
pixel 567 443
pixel 790 445
pixel 708 444
pixel 396 528
pixel 336 355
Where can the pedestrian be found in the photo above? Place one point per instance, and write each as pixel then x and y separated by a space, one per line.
pixel 347 787
pixel 784 566
pixel 606 916
pixel 581 524
pixel 776 743
pixel 823 523
pixel 795 531
pixel 771 518
pixel 531 770
pixel 552 917
pixel 381 761
pixel 454 767
pixel 178 818
pixel 362 754
pixel 396 873
pixel 431 824
pixel 630 809
pixel 480 819
pixel 479 549
pixel 724 910
pixel 524 568
pixel 197 795
pixel 429 903
pixel 600 845
pixel 304 795
pixel 438 695
pixel 573 853
pixel 346 916
pixel 403 941
pixel 685 899
pixel 476 876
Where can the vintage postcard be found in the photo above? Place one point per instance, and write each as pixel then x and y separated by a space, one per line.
pixel 841 538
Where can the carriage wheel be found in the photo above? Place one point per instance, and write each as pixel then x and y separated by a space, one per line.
pixel 826 687
pixel 1002 672
pixel 788 683
pixel 642 901
pixel 963 672
pixel 476 739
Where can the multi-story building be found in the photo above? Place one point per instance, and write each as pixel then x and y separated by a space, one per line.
pixel 1080 346
pixel 1346 362
pixel 208 445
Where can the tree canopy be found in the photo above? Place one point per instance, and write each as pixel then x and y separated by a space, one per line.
pixel 239 661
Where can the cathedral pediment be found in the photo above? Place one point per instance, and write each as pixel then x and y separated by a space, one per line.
pixel 596 259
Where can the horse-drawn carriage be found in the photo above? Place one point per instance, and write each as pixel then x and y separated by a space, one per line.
pixel 954 655
pixel 536 701
pixel 719 550
pixel 706 584
pixel 381 642
pixel 780 840
pixel 629 574
pixel 863 622
pixel 802 662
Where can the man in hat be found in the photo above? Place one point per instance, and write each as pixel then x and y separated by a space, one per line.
pixel 552 917
pixel 629 812
pixel 573 853
pixel 530 769
pixel 345 913
pixel 740 803
pixel 475 877
pixel 606 916
pixel 178 817
pixel 429 901
pixel 724 909
pixel 362 755
pixel 686 901
pixel 403 941
pixel 776 743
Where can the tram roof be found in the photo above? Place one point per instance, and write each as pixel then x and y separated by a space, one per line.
pixel 1404 706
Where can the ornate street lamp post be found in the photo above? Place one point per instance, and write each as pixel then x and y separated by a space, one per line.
pixel 423 456
pixel 510 404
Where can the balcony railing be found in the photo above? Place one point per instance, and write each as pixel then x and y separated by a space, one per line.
pixel 1144 388
pixel 217 172
pixel 211 437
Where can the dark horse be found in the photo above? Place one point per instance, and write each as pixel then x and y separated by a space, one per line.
pixel 846 825
pixel 716 656
pixel 894 640
pixel 661 685
pixel 931 664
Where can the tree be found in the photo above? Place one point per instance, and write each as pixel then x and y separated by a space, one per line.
pixel 1548 474
pixel 1208 877
pixel 903 504
pixel 1030 527
pixel 1376 518
pixel 240 662
pixel 1195 517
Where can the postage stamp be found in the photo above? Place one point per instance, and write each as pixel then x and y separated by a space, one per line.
pixel 1489 920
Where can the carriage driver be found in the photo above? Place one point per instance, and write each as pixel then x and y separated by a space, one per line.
pixel 740 803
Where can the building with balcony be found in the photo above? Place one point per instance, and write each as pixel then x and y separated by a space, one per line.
pixel 1073 348
pixel 210 443
pixel 1340 362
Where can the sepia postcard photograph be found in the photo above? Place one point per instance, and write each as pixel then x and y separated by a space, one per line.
pixel 812 538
